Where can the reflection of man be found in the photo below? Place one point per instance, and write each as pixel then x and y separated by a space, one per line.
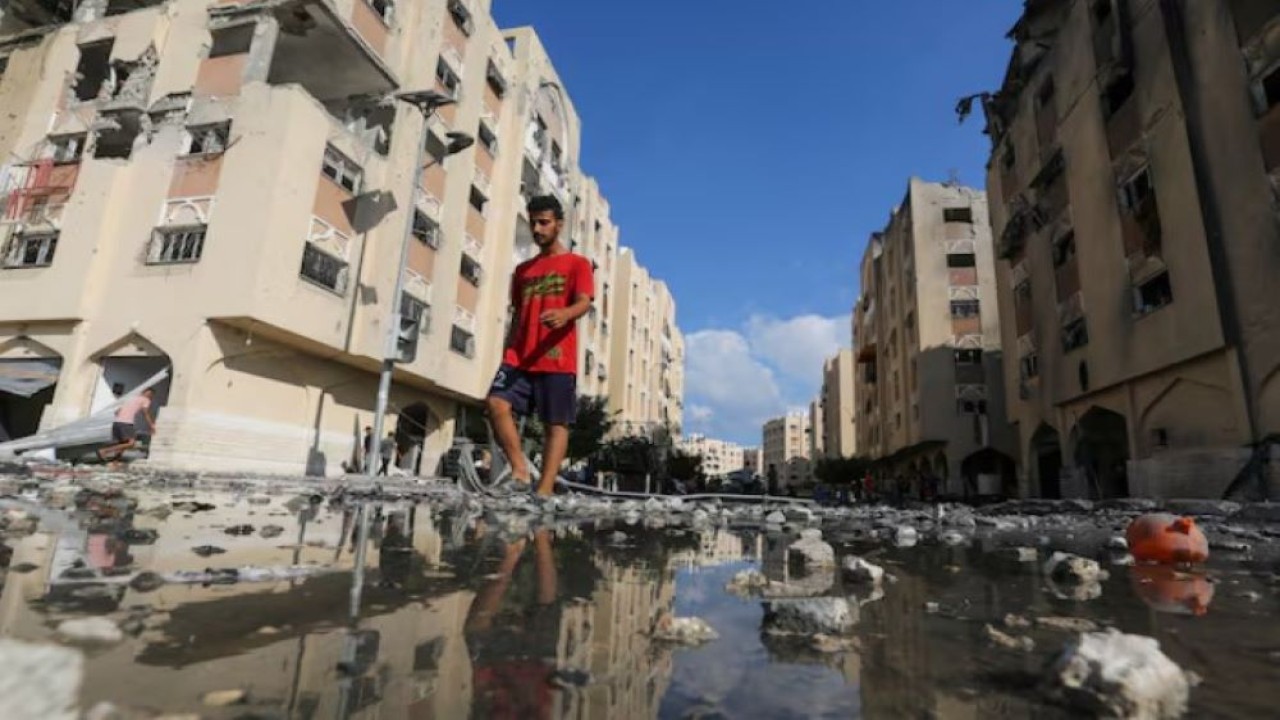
pixel 512 631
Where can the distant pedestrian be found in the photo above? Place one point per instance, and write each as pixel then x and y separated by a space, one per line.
pixel 388 452
pixel 367 458
pixel 124 431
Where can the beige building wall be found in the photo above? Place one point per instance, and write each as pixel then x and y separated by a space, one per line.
pixel 753 460
pixel 719 457
pixel 785 450
pixel 817 421
pixel 1132 178
pixel 258 260
pixel 930 388
pixel 837 429
pixel 646 378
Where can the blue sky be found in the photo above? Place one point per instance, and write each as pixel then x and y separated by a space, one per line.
pixel 748 149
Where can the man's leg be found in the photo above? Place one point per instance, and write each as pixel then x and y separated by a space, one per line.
pixel 556 397
pixel 508 395
pixel 553 452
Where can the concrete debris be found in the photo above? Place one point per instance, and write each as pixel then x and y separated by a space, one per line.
pixel 905 536
pixel 224 698
pixel 1069 624
pixel 775 518
pixel 857 570
pixel 1016 621
pixel 811 554
pixel 1067 568
pixel 39 681
pixel 684 630
pixel 90 631
pixel 810 616
pixel 1008 641
pixel 1116 542
pixel 1113 674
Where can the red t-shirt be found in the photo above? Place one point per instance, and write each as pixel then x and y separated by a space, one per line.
pixel 545 283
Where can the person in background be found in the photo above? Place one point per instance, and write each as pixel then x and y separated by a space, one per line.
pixel 367 459
pixel 388 452
pixel 124 431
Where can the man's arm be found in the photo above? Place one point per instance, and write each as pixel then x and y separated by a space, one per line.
pixel 151 423
pixel 568 315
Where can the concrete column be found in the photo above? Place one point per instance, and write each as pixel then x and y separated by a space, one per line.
pixel 266 33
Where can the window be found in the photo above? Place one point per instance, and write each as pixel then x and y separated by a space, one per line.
pixel 426 230
pixel 208 139
pixel 961 260
pixel 1153 294
pixel 462 342
pixel 384 8
pixel 478 201
pixel 28 250
pixel 488 139
pixel 1064 249
pixel 461 16
pixel 177 245
pixel 1029 366
pixel 1116 94
pixel 340 169
pixel 497 83
pixel 232 41
pixel 1136 190
pixel 93 70
pixel 1009 157
pixel 414 314
pixel 964 308
pixel 471 270
pixel 968 356
pixel 1075 335
pixel 1267 90
pixel 957 215
pixel 448 79
pixel 436 149
pixel 323 269
pixel 67 148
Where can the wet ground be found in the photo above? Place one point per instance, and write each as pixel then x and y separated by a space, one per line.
pixel 236 603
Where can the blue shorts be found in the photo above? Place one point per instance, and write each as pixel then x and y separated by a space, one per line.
pixel 553 396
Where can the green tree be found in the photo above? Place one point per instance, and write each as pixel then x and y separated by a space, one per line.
pixel 593 424
pixel 685 466
pixel 841 471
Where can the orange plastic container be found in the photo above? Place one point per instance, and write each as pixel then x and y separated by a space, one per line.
pixel 1165 538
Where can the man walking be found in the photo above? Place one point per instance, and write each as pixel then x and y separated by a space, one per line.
pixel 124 431
pixel 539 371
pixel 388 452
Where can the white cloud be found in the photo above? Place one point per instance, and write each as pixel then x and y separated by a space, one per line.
pixel 735 380
pixel 797 346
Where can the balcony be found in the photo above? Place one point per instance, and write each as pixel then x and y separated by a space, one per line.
pixel 316 48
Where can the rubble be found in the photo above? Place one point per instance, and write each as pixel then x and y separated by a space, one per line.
pixel 810 616
pixel 91 631
pixel 684 630
pixel 224 698
pixel 1067 568
pixel 1008 641
pixel 811 553
pixel 1113 674
pixel 860 571
pixel 39 681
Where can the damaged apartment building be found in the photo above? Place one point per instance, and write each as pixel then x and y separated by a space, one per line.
pixel 1134 185
pixel 222 188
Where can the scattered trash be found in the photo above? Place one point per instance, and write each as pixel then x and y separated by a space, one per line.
pixel 1166 538
pixel 1068 568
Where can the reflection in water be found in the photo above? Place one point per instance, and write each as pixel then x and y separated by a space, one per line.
pixel 465 615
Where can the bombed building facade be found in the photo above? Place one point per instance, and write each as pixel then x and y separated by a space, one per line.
pixel 1134 183
pixel 222 188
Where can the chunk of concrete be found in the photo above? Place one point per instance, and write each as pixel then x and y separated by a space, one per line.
pixel 746 581
pixel 91 630
pixel 684 630
pixel 810 616
pixel 858 570
pixel 39 681
pixel 1068 568
pixel 1009 642
pixel 811 554
pixel 1113 674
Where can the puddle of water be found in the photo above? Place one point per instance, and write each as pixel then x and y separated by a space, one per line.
pixel 467 617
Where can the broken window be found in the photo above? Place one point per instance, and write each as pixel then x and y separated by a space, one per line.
pixel 462 342
pixel 478 201
pixel 461 16
pixel 235 40
pixel 323 269
pixel 961 260
pixel 471 270
pixel 971 407
pixel 340 169
pixel 93 70
pixel 1152 294
pixel 448 79
pixel 958 215
pixel 28 250
pixel 965 308
pixel 426 230
pixel 385 9
pixel 968 356
pixel 117 142
pixel 1266 91
pixel 67 148
pixel 1023 311
pixel 208 139
pixel 177 245
pixel 497 83
pixel 1141 217
pixel 488 139
pixel 1029 366
pixel 1075 335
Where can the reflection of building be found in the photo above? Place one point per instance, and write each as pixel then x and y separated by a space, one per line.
pixel 1134 165
pixel 786 450
pixel 719 457
pixel 646 377
pixel 753 460
pixel 224 187
pixel 817 441
pixel 929 388
pixel 838 437
pixel 716 547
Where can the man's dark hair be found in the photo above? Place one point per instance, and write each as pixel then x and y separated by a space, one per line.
pixel 543 203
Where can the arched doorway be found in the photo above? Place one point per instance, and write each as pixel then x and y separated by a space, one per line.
pixel 1046 455
pixel 416 424
pixel 1101 451
pixel 29 373
pixel 989 473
